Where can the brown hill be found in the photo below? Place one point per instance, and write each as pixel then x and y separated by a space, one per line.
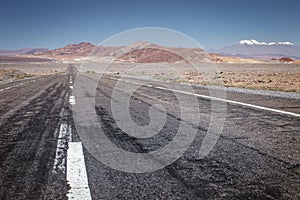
pixel 285 60
pixel 143 52
pixel 149 55
pixel 69 52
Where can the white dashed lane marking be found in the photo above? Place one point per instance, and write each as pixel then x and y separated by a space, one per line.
pixel 76 173
pixel 76 170
pixel 64 136
pixel 72 100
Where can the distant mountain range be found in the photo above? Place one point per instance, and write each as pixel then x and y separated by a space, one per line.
pixel 246 51
pixel 23 51
pixel 261 50
pixel 139 52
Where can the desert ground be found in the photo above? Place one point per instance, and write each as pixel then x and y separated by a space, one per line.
pixel 278 77
pixel 275 77
pixel 11 71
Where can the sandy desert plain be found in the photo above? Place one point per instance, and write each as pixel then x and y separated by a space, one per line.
pixel 275 77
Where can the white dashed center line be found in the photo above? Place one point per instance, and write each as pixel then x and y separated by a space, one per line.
pixel 76 170
pixel 72 100
pixel 64 136
pixel 76 173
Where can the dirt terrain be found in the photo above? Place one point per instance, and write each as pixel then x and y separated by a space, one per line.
pixel 278 77
pixel 22 70
pixel 6 74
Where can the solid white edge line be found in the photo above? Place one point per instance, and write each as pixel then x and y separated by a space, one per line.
pixel 236 102
pixel 220 99
pixel 76 173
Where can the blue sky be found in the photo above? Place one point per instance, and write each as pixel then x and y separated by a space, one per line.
pixel 213 23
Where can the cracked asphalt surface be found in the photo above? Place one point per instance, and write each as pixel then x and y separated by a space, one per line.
pixel 30 115
pixel 256 157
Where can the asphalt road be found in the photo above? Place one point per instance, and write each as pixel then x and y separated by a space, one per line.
pixel 30 116
pixel 257 156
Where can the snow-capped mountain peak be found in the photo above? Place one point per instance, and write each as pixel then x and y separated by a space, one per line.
pixel 251 42
pixel 255 42
pixel 286 43
pixel 255 49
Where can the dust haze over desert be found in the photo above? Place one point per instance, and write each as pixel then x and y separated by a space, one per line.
pixel 149 99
